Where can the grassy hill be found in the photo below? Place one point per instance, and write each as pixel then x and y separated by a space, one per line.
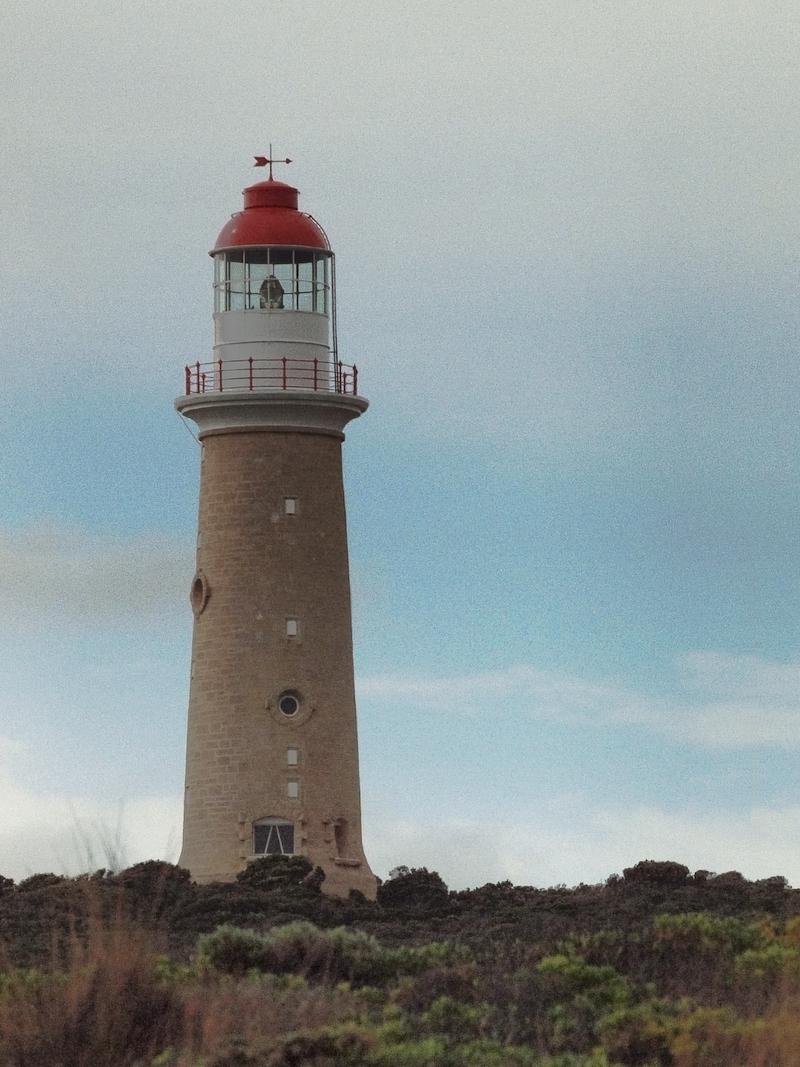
pixel 142 968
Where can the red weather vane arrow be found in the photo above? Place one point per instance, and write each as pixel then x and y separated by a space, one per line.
pixel 267 161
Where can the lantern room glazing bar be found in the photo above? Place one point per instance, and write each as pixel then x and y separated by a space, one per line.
pixel 272 279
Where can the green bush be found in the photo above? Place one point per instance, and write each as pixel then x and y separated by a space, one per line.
pixel 656 872
pixel 418 889
pixel 640 1035
pixel 298 948
pixel 771 962
pixel 281 873
pixel 40 881
pixel 334 955
pixel 578 995
pixel 331 1046
pixel 701 932
pixel 232 950
pixel 154 889
pixel 416 993
pixel 453 1019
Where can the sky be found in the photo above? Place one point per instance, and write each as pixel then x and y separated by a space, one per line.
pixel 567 254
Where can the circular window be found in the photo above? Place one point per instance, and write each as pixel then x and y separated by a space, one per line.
pixel 290 707
pixel 198 595
pixel 289 703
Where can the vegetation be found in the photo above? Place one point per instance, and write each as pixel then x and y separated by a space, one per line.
pixel 656 968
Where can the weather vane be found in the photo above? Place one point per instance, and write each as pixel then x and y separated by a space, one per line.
pixel 267 161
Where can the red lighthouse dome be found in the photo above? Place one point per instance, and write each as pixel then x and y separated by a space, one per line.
pixel 270 217
pixel 274 292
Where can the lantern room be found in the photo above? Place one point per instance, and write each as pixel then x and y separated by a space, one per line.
pixel 272 279
pixel 274 300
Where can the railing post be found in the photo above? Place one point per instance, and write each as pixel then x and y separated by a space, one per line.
pixel 283 361
pixel 251 373
pixel 188 380
pixel 355 380
pixel 316 364
pixel 204 381
pixel 219 364
pixel 197 375
pixel 337 376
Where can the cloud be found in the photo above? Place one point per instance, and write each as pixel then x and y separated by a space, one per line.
pixel 619 250
pixel 52 831
pixel 570 842
pixel 547 694
pixel 62 575
pixel 566 841
pixel 722 701
pixel 744 676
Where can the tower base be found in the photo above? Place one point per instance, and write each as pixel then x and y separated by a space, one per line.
pixel 272 751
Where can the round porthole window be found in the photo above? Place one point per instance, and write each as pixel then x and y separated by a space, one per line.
pixel 198 595
pixel 289 703
pixel 291 707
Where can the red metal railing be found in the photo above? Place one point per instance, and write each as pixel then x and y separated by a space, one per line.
pixel 257 374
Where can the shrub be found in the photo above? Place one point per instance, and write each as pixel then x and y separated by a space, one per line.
pixel 232 950
pixel 708 1037
pixel 569 976
pixel 414 959
pixel 656 872
pixel 685 937
pixel 418 888
pixel 640 1034
pixel 578 995
pixel 154 888
pixel 276 873
pixel 453 1018
pixel 344 1045
pixel 320 955
pixel 40 881
pixel 297 948
pixel 417 992
pixel 734 878
pixel 770 962
pixel 791 932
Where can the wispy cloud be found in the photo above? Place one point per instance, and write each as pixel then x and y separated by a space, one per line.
pixel 572 841
pixel 52 831
pixel 60 574
pixel 722 701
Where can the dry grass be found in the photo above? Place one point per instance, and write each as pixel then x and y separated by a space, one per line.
pixel 109 999
pixel 717 1038
pixel 98 1003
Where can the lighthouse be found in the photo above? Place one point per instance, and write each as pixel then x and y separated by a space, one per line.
pixel 272 750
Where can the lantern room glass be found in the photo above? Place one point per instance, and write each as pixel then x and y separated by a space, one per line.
pixel 272 279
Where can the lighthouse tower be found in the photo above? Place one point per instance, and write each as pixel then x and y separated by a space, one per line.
pixel 272 752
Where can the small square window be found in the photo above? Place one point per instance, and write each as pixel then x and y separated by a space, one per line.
pixel 292 757
pixel 291 627
pixel 292 790
pixel 290 505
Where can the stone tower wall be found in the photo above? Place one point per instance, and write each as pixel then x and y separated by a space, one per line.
pixel 258 567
